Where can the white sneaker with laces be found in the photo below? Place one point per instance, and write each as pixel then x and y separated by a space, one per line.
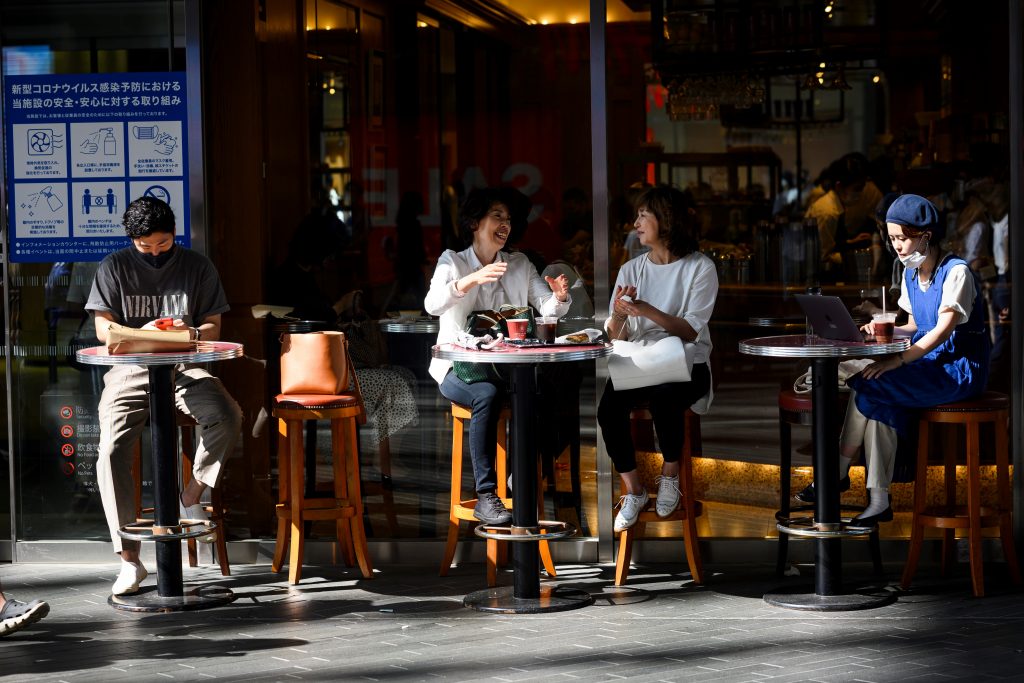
pixel 630 506
pixel 668 495
pixel 129 579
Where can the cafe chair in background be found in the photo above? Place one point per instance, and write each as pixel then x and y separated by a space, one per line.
pixel 989 408
pixel 215 509
pixel 344 503
pixel 461 509
pixel 649 467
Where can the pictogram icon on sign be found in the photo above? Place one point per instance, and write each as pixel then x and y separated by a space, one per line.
pixel 67 450
pixel 68 468
pixel 67 431
pixel 66 413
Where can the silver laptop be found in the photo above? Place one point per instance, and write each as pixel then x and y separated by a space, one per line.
pixel 829 317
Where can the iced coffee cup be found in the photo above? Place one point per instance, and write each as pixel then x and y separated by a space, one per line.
pixel 883 326
pixel 545 326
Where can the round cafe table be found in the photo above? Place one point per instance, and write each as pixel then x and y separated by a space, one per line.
pixel 171 595
pixel 827 528
pixel 526 595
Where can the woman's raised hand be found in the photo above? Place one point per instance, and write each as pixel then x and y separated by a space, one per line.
pixel 559 285
pixel 624 297
pixel 492 272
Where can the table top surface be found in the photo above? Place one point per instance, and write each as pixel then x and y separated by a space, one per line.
pixel 549 353
pixel 410 325
pixel 205 352
pixel 802 346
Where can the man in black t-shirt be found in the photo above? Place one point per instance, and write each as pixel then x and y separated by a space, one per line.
pixel 136 286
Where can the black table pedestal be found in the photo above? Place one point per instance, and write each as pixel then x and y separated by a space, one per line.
pixel 170 593
pixel 829 593
pixel 526 596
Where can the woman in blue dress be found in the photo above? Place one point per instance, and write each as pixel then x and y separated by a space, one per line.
pixel 947 360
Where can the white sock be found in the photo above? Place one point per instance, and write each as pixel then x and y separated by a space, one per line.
pixel 844 466
pixel 878 502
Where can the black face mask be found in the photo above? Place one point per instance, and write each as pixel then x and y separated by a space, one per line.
pixel 158 260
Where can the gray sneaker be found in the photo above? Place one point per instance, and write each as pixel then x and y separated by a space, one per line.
pixel 490 510
pixel 17 615
pixel 668 495
pixel 630 506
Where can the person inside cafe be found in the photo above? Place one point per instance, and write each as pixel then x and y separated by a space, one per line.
pixel 837 237
pixel 947 360
pixel 669 290
pixel 485 276
pixel 151 279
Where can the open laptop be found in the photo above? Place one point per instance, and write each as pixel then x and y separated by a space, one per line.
pixel 829 317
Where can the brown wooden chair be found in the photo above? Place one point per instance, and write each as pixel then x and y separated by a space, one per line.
pixel 689 509
pixel 461 508
pixel 992 408
pixel 216 510
pixel 344 505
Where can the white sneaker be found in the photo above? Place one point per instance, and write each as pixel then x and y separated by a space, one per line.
pixel 129 579
pixel 196 512
pixel 668 495
pixel 630 506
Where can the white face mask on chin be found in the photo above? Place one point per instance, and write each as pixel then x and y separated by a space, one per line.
pixel 915 259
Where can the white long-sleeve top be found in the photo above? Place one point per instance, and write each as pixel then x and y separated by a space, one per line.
pixel 686 288
pixel 519 286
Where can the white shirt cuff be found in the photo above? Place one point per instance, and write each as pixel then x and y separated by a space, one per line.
pixel 454 289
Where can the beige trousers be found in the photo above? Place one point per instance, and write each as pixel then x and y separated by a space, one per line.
pixel 878 440
pixel 123 411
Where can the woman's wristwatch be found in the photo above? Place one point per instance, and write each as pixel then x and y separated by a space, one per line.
pixel 199 333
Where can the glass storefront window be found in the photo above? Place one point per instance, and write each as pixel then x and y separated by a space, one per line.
pixel 57 496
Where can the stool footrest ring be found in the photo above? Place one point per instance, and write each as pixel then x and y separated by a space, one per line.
pixel 544 531
pixel 148 530
pixel 807 527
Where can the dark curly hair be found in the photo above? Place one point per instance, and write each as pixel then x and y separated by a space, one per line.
pixel 147 215
pixel 480 201
pixel 673 209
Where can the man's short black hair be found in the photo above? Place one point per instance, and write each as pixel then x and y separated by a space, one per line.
pixel 147 215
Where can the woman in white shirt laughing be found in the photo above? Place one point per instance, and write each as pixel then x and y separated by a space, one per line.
pixel 485 276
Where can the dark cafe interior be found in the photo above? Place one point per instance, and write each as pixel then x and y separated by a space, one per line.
pixel 324 154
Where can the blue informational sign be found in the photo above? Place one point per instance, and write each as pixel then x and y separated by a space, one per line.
pixel 81 147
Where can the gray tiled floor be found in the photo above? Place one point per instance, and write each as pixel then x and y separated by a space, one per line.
pixel 409 624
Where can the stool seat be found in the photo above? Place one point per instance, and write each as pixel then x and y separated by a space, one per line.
pixel 794 402
pixel 989 407
pixel 316 401
pixel 989 400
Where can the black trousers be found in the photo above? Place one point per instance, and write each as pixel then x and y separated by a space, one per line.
pixel 666 402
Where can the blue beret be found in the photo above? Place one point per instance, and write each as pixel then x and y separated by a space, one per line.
pixel 914 211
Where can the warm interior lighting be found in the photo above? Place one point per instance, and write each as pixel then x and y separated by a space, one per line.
pixel 544 22
pixel 331 91
pixel 828 9
pixel 821 65
pixel 573 21
pixel 421 24
pixel 876 79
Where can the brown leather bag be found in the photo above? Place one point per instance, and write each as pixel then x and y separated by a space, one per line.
pixel 121 339
pixel 314 363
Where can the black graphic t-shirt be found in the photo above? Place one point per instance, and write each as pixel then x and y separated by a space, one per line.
pixel 186 287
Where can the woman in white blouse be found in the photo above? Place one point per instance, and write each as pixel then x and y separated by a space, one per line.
pixel 484 277
pixel 670 290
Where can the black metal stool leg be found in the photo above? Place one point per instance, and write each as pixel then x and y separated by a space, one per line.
pixel 785 471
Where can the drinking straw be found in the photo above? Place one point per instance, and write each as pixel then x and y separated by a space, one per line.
pixel 883 298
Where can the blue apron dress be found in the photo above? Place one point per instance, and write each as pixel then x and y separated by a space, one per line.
pixel 955 370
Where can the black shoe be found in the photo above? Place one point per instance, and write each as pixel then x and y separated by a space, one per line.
pixel 871 521
pixel 808 495
pixel 490 510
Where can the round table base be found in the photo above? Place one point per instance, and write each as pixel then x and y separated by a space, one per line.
pixel 804 598
pixel 147 600
pixel 552 599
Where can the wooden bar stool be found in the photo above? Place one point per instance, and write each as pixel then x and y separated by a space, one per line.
pixel 642 426
pixel 990 407
pixel 345 504
pixel 797 409
pixel 460 508
pixel 216 510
